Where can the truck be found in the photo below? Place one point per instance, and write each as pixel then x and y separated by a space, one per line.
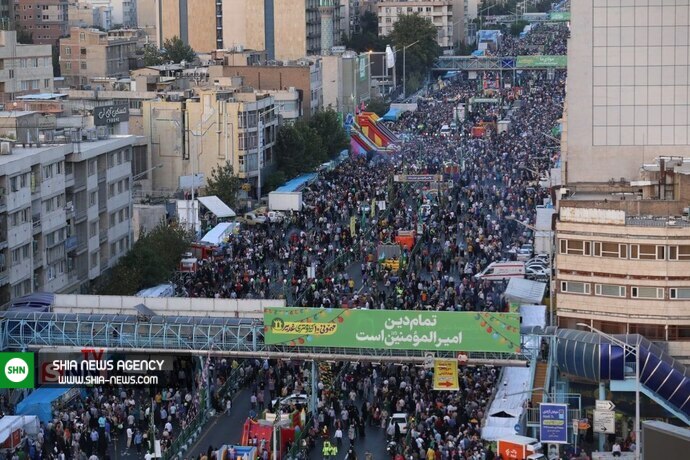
pixel 285 201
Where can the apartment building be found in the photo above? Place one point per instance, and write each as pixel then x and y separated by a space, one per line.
pixel 622 233
pixel 7 14
pixel 24 69
pixel 45 244
pixel 89 54
pixel 448 16
pixel 46 20
pixel 286 29
pixel 193 136
pixel 124 12
pixel 346 81
pixel 305 75
pixel 87 15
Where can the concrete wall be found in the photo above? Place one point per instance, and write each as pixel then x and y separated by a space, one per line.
pixel 146 217
pixel 290 30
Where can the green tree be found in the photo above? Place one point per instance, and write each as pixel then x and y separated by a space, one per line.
pixel 378 106
pixel 517 27
pixel 367 38
pixel 419 57
pixel 330 129
pixel 274 180
pixel 152 55
pixel 314 151
pixel 289 150
pixel 151 261
pixel 224 184
pixel 175 50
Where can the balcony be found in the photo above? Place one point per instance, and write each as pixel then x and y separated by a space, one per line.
pixel 103 235
pixel 71 243
pixel 4 276
pixel 36 223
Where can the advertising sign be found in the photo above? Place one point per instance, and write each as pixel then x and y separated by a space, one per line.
pixel 110 114
pixel 400 330
pixel 511 450
pixel 560 16
pixel 541 61
pixel 362 67
pixel 446 375
pixel 553 423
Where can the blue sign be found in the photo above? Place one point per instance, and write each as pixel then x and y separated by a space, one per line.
pixel 553 423
pixel 507 63
pixel 518 427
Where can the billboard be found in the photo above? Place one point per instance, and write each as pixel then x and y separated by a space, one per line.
pixel 553 423
pixel 446 375
pixel 400 330
pixel 541 61
pixel 110 114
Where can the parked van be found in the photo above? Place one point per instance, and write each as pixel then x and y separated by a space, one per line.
pixel 501 271
pixel 445 130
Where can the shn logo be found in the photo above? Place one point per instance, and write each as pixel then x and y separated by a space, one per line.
pixel 17 370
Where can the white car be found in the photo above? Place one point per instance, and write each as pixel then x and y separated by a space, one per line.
pixel 251 218
pixel 292 400
pixel 400 419
pixel 275 217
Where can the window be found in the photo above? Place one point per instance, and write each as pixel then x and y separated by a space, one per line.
pixel 575 287
pixel 94 259
pixel 83 65
pixel 673 253
pixel 609 290
pixel 93 229
pixel 644 292
pixel 643 251
pixel 614 250
pixel 575 247
pixel 48 172
pixel 111 190
pixel 684 252
pixel 661 252
pixel 682 293
pixel 93 196
pixel 92 167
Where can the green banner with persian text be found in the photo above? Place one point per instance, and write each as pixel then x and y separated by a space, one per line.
pixel 560 16
pixel 400 330
pixel 541 62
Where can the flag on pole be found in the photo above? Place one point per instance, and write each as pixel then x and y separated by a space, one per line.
pixel 390 57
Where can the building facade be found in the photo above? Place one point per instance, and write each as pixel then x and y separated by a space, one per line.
pixel 304 75
pixel 24 69
pixel 346 81
pixel 48 204
pixel 124 12
pixel 627 88
pixel 45 21
pixel 194 136
pixel 448 16
pixel 89 54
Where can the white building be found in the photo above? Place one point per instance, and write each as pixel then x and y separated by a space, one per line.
pixel 122 11
pixel 64 213
pixel 24 69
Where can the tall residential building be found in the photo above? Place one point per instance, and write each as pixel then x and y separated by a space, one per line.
pixel 124 12
pixel 7 14
pixel 64 211
pixel 24 69
pixel 196 135
pixel 286 29
pixel 448 16
pixel 147 19
pixel 89 54
pixel 46 20
pixel 623 237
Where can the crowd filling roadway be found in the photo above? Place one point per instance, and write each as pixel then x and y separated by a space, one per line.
pixel 463 225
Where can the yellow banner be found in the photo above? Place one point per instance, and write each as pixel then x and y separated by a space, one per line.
pixel 353 225
pixel 446 375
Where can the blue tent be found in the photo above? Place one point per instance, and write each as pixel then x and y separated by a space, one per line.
pixel 40 403
pixel 392 114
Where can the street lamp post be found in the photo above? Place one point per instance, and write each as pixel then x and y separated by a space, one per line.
pixel 404 69
pixel 628 349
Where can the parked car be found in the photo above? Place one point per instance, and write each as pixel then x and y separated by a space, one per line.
pixel 251 218
pixel 294 400
pixel 399 418
pixel 275 217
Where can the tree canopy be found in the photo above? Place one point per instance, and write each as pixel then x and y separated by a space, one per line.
pixel 152 55
pixel 329 127
pixel 367 38
pixel 224 184
pixel 151 261
pixel 419 57
pixel 175 50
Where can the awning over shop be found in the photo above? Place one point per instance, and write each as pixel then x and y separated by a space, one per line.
pixel 392 114
pixel 216 206
pixel 525 291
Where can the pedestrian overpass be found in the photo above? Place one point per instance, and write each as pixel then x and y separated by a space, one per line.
pixel 498 63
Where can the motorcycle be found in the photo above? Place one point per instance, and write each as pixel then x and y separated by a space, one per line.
pixel 391 449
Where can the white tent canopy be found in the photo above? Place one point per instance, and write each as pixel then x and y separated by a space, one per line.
pixel 11 423
pixel 525 291
pixel 218 233
pixel 216 206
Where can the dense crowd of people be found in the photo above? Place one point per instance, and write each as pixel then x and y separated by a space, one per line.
pixel 327 256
